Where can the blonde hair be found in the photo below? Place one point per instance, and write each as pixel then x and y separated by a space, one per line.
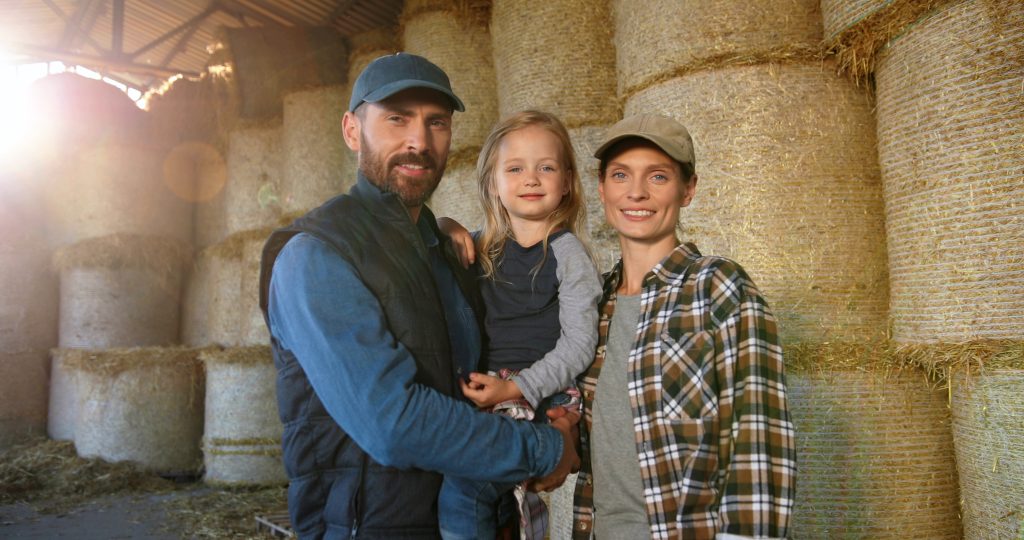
pixel 571 211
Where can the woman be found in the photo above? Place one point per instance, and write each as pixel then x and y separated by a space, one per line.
pixel 688 361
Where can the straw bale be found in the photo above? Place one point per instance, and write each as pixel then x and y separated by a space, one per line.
pixel 62 414
pixel 461 46
pixel 252 329
pixel 112 188
pixel 457 196
pixel 190 110
pixel 140 405
pixel 242 440
pixel 212 297
pixel 856 29
pixel 313 148
pixel 251 195
pixel 23 379
pixel 28 311
pixel 120 291
pixel 951 149
pixel 657 40
pixel 988 433
pixel 268 62
pixel 604 241
pixel 876 456
pixel 565 66
pixel 789 187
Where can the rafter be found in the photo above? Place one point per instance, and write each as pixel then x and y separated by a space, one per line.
pixel 193 22
pixel 64 17
pixel 97 63
pixel 117 28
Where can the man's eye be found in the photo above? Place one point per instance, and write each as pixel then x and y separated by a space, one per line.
pixel 439 123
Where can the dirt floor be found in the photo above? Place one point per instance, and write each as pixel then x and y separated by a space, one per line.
pixel 46 491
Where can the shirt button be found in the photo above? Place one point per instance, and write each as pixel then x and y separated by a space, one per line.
pixel 583 526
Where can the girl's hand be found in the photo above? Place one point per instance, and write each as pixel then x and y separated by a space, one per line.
pixel 487 391
pixel 462 241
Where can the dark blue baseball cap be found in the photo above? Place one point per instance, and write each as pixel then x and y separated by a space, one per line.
pixel 388 75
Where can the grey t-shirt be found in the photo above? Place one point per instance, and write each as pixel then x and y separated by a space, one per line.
pixel 619 510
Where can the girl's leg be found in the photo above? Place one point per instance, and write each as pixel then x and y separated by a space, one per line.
pixel 468 509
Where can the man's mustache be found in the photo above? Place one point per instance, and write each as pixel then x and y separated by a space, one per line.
pixel 412 159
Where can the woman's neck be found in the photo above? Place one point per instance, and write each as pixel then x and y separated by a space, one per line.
pixel 638 259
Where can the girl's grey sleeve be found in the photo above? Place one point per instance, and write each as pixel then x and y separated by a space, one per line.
pixel 579 289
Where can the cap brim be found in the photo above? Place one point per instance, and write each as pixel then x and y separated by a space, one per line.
pixel 660 142
pixel 393 88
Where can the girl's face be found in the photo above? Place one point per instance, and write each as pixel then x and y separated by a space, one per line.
pixel 529 175
pixel 642 191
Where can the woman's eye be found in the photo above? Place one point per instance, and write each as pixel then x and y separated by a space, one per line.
pixel 618 176
pixel 659 179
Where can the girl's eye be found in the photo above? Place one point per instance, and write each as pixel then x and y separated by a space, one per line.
pixel 514 170
pixel 548 168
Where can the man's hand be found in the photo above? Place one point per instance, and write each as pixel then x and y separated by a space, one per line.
pixel 566 422
pixel 487 391
pixel 462 241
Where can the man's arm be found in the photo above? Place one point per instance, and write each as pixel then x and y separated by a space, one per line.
pixel 323 313
pixel 758 498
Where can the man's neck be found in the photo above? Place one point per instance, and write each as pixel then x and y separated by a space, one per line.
pixel 414 212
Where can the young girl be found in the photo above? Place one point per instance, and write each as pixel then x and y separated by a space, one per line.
pixel 540 288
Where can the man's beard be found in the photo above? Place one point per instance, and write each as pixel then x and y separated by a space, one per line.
pixel 412 192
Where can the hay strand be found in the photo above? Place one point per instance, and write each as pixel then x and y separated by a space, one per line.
pixel 951 149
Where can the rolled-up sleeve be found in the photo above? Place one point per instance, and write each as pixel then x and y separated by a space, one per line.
pixel 324 314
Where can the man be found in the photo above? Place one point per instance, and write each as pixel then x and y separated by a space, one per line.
pixel 688 362
pixel 373 326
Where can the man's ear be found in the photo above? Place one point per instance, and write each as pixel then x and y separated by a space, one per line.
pixel 350 129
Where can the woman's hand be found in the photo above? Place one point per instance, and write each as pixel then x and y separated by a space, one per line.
pixel 487 391
pixel 462 241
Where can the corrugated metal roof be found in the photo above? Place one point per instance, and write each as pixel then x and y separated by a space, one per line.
pixel 162 37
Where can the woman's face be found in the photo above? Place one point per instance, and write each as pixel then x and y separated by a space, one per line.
pixel 642 190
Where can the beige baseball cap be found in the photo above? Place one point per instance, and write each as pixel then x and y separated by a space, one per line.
pixel 666 133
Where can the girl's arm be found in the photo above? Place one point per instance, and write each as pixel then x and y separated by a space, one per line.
pixel 579 289
pixel 462 241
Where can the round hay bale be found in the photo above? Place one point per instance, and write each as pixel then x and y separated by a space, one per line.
pixel 951 149
pixel 565 66
pixel 876 455
pixel 841 15
pixel 140 405
pixel 63 403
pixel 988 433
pixel 656 40
pixel 252 329
pixel 458 195
pixel 251 196
pixel 120 291
pixel 788 187
pixel 212 300
pixel 114 188
pixel 242 439
pixel 460 45
pixel 314 149
pixel 604 241
pixel 75 111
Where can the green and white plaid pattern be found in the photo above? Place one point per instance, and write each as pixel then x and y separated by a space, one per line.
pixel 714 439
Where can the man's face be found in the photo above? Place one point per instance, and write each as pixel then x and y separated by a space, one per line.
pixel 403 142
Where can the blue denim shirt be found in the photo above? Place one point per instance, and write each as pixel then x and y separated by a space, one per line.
pixel 322 312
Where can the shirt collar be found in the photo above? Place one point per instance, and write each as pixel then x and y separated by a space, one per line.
pixel 670 270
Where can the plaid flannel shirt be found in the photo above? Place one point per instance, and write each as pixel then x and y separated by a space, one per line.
pixel 714 440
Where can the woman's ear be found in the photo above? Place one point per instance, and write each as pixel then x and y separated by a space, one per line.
pixel 690 191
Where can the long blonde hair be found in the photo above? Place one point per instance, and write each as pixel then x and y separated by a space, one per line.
pixel 571 211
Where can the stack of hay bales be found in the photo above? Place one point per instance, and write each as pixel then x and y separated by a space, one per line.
pixel 28 311
pixel 455 37
pixel 565 66
pixel 313 148
pixel 790 188
pixel 951 148
pixel 363 49
pixel 119 224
